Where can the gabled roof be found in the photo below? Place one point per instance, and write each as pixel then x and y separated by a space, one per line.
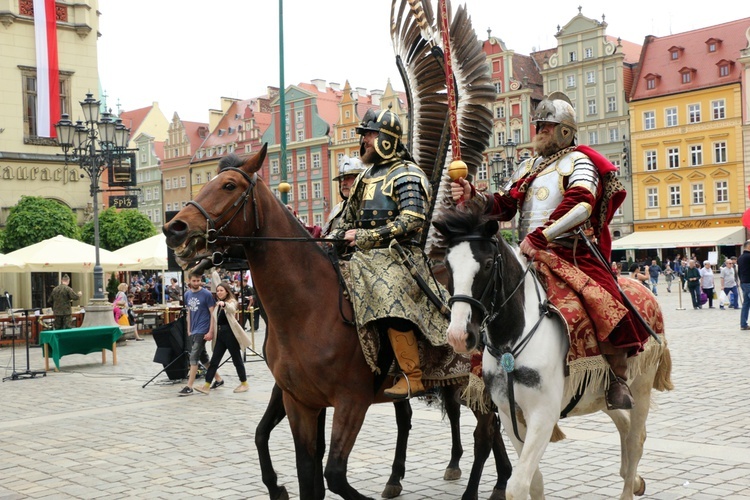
pixel 133 119
pixel 693 56
pixel 542 56
pixel 196 133
pixel 227 130
pixel 328 102
pixel 526 67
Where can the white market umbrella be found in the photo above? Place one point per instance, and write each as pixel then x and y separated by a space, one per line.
pixel 150 253
pixel 65 254
pixel 9 264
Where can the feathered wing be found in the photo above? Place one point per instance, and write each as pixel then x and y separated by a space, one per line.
pixel 419 55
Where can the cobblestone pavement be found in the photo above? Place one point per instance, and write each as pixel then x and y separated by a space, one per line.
pixel 92 431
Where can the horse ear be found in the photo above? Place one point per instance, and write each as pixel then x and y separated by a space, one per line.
pixel 253 164
pixel 490 229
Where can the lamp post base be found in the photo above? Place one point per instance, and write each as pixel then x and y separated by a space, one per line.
pixel 99 313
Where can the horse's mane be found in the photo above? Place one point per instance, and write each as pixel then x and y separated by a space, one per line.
pixel 464 220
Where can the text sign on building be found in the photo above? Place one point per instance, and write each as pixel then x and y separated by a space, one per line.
pixel 124 201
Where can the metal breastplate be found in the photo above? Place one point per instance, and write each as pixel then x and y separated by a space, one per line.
pixel 376 208
pixel 544 195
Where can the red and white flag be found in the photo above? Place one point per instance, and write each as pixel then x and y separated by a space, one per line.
pixel 47 68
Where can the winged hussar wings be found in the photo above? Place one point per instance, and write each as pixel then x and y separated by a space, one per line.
pixel 419 55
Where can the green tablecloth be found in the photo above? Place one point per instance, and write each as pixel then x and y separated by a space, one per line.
pixel 79 340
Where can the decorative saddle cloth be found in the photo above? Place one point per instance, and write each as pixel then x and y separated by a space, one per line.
pixel 440 364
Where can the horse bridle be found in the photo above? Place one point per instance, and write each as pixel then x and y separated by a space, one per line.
pixel 212 233
pixel 507 355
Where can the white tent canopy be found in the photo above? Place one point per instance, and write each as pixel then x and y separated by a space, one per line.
pixel 681 238
pixel 10 264
pixel 65 254
pixel 150 253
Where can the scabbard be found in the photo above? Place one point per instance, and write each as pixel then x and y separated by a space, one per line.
pixel 407 261
pixel 595 250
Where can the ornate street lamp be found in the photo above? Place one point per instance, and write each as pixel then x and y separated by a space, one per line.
pixel 510 157
pixel 95 145
pixel 497 176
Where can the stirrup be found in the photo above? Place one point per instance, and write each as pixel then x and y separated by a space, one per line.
pixel 626 398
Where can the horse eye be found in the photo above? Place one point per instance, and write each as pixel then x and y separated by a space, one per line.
pixel 488 264
pixel 229 186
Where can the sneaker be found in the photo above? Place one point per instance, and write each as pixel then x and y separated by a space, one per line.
pixel 201 388
pixel 217 384
pixel 186 391
pixel 242 388
pixel 745 328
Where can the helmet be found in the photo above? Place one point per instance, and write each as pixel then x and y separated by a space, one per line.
pixel 557 108
pixel 349 166
pixel 388 126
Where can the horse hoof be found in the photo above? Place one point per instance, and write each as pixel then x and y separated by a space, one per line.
pixel 451 474
pixel 391 491
pixel 640 491
pixel 282 495
pixel 497 494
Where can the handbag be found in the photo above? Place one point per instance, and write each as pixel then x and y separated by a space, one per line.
pixel 704 298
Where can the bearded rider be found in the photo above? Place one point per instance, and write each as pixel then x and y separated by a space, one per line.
pixel 388 202
pixel 564 188
pixel 349 169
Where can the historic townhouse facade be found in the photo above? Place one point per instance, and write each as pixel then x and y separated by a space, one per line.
pixel 238 130
pixel 686 130
pixel 183 140
pixel 596 72
pixel 148 175
pixel 31 161
pixel 518 84
pixel 311 112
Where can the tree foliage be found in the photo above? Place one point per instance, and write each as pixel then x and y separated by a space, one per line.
pixel 118 229
pixel 36 219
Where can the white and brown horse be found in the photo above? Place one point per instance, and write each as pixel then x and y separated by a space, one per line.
pixel 496 299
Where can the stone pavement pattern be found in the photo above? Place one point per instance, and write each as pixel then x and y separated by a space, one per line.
pixel 91 431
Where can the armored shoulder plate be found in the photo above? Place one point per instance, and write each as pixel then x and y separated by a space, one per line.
pixel 567 163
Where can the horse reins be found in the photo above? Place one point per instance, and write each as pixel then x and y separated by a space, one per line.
pixel 508 354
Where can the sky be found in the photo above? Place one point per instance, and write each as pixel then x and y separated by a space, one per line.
pixel 187 54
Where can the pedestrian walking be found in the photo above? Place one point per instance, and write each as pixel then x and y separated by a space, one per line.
pixel 707 282
pixel 743 264
pixel 693 280
pixel 668 277
pixel 729 284
pixel 653 273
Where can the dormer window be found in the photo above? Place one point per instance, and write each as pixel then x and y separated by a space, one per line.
pixel 675 51
pixel 221 132
pixel 687 74
pixel 651 80
pixel 725 67
pixel 712 44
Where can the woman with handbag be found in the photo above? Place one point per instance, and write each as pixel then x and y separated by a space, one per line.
pixel 707 282
pixel 229 336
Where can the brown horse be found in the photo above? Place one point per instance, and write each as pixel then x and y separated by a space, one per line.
pixel 314 355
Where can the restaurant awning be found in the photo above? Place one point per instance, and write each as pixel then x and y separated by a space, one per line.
pixel 681 238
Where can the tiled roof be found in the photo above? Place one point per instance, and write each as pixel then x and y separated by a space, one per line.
pixel 226 131
pixel 542 56
pixel 525 66
pixel 159 149
pixel 192 131
pixel 328 102
pixel 133 119
pixel 631 50
pixel 693 57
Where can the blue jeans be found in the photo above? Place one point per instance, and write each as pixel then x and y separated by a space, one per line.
pixel 745 303
pixel 654 281
pixel 733 297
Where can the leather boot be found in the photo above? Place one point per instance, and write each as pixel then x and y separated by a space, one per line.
pixel 407 355
pixel 618 394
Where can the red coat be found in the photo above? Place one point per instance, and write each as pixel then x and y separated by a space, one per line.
pixel 630 333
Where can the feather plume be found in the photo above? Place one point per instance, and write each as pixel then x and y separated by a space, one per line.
pixel 419 54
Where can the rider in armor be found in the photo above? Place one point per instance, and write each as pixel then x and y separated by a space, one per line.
pixel 388 202
pixel 564 188
pixel 349 169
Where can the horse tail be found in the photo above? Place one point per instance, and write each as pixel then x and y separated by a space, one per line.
pixel 663 378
